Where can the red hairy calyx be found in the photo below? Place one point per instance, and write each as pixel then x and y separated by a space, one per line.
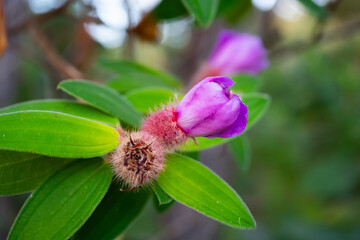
pixel 162 124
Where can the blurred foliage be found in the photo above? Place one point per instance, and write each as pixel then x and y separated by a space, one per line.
pixel 307 147
pixel 319 12
pixel 234 10
pixel 204 11
pixel 168 9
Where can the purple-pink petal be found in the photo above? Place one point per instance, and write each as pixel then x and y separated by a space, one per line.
pixel 236 53
pixel 195 105
pixel 238 125
pixel 223 38
pixel 189 98
pixel 210 109
pixel 218 121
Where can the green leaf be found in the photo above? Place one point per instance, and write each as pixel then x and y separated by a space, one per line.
pixel 194 185
pixel 133 75
pixel 64 106
pixel 147 99
pixel 194 155
pixel 244 84
pixel 23 172
pixel 204 11
pixel 161 200
pixel 160 208
pixel 162 197
pixel 169 9
pixel 103 98
pixel 319 12
pixel 234 10
pixel 114 214
pixel 240 148
pixel 257 105
pixel 203 143
pixel 55 134
pixel 63 202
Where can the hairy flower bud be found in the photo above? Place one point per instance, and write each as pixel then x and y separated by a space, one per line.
pixel 237 53
pixel 162 124
pixel 138 159
pixel 210 109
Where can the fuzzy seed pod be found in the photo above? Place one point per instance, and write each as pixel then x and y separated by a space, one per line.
pixel 138 159
pixel 163 125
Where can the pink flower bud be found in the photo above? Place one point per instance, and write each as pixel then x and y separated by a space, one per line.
pixel 210 109
pixel 238 53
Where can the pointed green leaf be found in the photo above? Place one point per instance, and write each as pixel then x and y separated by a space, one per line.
pixel 257 105
pixel 23 172
pixel 113 215
pixel 63 202
pixel 55 134
pixel 160 208
pixel 194 185
pixel 204 11
pixel 147 99
pixel 162 196
pixel 240 149
pixel 133 75
pixel 161 200
pixel 103 98
pixel 64 106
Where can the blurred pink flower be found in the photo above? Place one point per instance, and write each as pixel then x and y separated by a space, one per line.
pixel 237 53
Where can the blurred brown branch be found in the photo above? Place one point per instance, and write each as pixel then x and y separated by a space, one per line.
pixel 3 40
pixel 57 62
pixel 82 48
pixel 341 32
pixel 129 49
pixel 78 50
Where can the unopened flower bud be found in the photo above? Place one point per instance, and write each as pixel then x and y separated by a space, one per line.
pixel 210 109
pixel 138 159
pixel 237 53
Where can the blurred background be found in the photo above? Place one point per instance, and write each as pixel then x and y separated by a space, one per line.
pixel 304 177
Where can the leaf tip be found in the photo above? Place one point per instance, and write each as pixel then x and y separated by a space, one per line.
pixel 248 223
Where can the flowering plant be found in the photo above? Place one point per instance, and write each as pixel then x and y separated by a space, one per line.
pixel 209 109
pixel 66 152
